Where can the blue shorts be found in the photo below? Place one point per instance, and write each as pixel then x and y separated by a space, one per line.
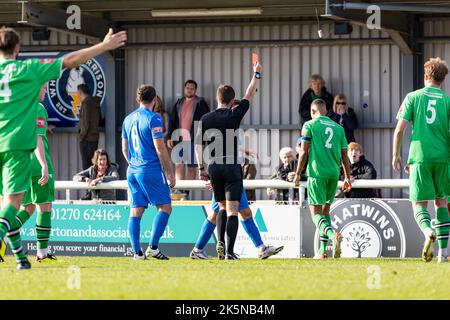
pixel 148 188
pixel 243 203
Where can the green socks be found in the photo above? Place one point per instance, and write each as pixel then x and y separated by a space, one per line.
pixel 423 218
pixel 323 224
pixel 7 216
pixel 22 216
pixel 442 227
pixel 324 238
pixel 15 241
pixel 43 229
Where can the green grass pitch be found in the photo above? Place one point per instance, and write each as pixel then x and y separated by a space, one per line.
pixel 185 279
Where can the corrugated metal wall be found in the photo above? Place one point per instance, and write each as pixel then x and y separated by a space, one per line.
pixel 63 145
pixel 438 28
pixel 367 72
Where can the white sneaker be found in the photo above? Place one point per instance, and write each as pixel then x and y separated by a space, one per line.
pixel 442 256
pixel 268 251
pixel 139 256
pixel 199 255
pixel 427 251
pixel 157 254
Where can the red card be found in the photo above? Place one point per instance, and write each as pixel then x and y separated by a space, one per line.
pixel 255 58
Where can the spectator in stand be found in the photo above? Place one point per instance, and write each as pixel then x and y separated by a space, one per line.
pixel 249 171
pixel 186 111
pixel 285 171
pixel 345 116
pixel 317 90
pixel 102 170
pixel 161 109
pixel 360 168
pixel 88 124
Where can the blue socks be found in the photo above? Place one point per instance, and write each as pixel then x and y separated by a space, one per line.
pixel 159 225
pixel 252 231
pixel 205 234
pixel 134 228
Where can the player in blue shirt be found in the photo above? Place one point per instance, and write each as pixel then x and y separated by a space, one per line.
pixel 144 149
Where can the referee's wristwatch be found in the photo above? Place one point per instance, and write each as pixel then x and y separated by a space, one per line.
pixel 258 75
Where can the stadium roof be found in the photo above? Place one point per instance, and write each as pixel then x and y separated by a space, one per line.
pixel 98 16
pixel 139 11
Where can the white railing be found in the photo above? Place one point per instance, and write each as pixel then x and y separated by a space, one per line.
pixel 248 184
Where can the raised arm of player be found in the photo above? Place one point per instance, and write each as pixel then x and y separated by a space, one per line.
pixel 397 144
pixel 346 166
pixel 251 89
pixel 111 41
pixel 125 149
pixel 40 155
pixel 164 158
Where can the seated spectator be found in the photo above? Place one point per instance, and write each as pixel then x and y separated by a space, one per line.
pixel 102 170
pixel 285 171
pixel 317 90
pixel 360 168
pixel 345 116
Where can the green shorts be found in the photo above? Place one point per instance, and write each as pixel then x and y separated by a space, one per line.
pixel 321 191
pixel 15 171
pixel 428 181
pixel 38 194
pixel 448 183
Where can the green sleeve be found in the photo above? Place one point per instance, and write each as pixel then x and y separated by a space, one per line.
pixel 406 109
pixel 343 140
pixel 41 120
pixel 308 133
pixel 46 71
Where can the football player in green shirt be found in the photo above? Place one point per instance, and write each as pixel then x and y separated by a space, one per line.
pixel 428 111
pixel 41 191
pixel 325 146
pixel 20 84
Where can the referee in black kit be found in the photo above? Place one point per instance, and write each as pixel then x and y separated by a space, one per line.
pixel 217 130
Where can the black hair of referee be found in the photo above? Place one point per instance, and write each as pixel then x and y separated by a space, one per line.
pixel 224 171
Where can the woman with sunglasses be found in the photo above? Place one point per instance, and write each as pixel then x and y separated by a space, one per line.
pixel 345 116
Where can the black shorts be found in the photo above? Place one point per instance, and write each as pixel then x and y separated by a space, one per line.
pixel 226 181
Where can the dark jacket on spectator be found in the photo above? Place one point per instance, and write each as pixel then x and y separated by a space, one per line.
pixel 305 103
pixel 111 174
pixel 249 173
pixel 89 119
pixel 200 108
pixel 282 174
pixel 348 121
pixel 362 169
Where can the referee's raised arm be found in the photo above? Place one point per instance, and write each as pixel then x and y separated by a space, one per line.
pixel 251 89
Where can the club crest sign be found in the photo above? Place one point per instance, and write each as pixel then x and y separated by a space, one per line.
pixel 370 229
pixel 62 101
